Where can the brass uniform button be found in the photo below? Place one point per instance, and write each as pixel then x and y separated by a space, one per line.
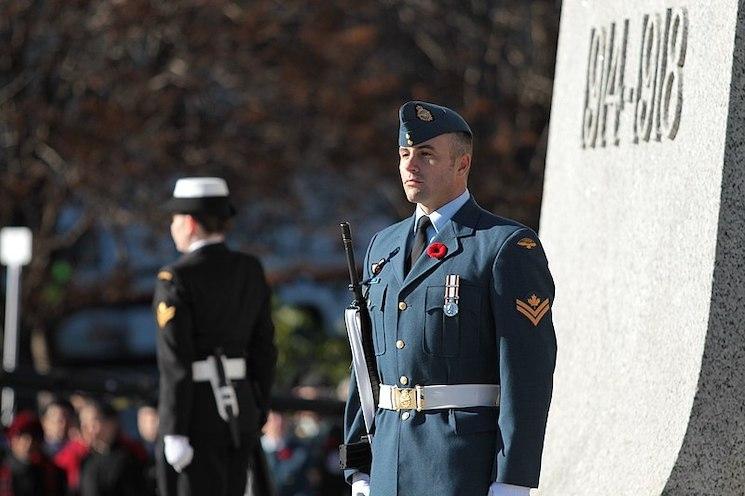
pixel 403 380
pixel 400 344
pixel 402 305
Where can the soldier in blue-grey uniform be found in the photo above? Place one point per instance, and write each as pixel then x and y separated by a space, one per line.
pixel 462 332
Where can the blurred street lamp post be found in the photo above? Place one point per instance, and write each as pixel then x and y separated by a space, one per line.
pixel 15 252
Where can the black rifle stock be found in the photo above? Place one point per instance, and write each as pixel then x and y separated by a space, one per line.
pixel 359 455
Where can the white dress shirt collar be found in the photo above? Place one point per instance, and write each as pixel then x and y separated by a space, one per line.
pixel 442 215
pixel 209 240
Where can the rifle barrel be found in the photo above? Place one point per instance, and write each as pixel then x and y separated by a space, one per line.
pixel 346 237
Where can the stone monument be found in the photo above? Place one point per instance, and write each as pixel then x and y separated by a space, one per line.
pixel 643 221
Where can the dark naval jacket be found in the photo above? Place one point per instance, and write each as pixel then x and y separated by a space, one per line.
pixel 212 297
pixel 503 334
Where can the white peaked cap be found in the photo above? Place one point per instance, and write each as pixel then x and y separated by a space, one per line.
pixel 201 195
pixel 200 187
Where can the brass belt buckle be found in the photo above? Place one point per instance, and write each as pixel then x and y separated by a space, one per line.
pixel 403 398
pixel 408 398
pixel 419 398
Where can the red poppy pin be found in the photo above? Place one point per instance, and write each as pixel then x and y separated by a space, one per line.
pixel 284 454
pixel 437 250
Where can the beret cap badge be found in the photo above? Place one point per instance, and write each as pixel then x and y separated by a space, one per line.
pixel 423 114
pixel 421 121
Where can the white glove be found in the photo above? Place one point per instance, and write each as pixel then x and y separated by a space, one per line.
pixel 500 489
pixel 360 484
pixel 178 451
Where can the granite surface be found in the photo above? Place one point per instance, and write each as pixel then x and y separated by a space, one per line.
pixel 712 458
pixel 643 224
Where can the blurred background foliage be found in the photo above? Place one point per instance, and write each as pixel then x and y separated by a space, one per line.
pixel 104 103
pixel 307 355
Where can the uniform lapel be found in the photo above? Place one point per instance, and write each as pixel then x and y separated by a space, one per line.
pixel 462 224
pixel 425 263
pixel 400 239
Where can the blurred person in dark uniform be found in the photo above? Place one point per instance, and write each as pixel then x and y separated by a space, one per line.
pixel 147 428
pixel 216 351
pixel 115 465
pixel 332 478
pixel 26 470
pixel 288 457
pixel 56 421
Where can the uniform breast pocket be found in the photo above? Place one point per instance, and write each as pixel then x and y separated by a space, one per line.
pixel 457 335
pixel 376 306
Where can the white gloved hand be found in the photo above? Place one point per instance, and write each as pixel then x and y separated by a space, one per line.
pixel 360 484
pixel 178 451
pixel 500 489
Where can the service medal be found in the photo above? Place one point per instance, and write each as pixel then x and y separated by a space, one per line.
pixel 450 308
pixel 452 288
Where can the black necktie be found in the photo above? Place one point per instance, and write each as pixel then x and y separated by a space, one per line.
pixel 421 240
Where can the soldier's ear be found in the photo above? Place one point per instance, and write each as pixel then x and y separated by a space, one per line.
pixel 191 224
pixel 464 164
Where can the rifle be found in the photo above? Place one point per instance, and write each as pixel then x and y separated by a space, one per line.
pixel 359 329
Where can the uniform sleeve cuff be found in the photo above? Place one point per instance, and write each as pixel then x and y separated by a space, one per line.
pixel 360 476
pixel 501 489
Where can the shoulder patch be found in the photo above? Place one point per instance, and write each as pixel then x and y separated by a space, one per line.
pixel 534 308
pixel 527 243
pixel 164 275
pixel 164 314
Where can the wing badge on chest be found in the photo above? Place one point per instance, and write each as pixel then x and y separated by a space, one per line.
pixel 164 314
pixel 534 308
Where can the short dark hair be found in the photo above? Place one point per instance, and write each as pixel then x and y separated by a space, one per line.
pixel 212 224
pixel 58 402
pixel 461 144
pixel 105 409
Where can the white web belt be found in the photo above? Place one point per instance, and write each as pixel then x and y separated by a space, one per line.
pixel 438 396
pixel 203 370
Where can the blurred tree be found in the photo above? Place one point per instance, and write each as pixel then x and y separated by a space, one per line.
pixel 307 353
pixel 103 103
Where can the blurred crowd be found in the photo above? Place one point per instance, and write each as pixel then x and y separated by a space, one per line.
pixel 74 447
pixel 82 446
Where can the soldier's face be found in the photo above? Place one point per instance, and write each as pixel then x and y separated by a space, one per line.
pixel 431 176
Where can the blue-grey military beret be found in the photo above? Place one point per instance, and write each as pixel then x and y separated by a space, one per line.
pixel 421 121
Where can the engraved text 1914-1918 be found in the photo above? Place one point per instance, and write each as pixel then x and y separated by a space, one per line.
pixel 653 99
